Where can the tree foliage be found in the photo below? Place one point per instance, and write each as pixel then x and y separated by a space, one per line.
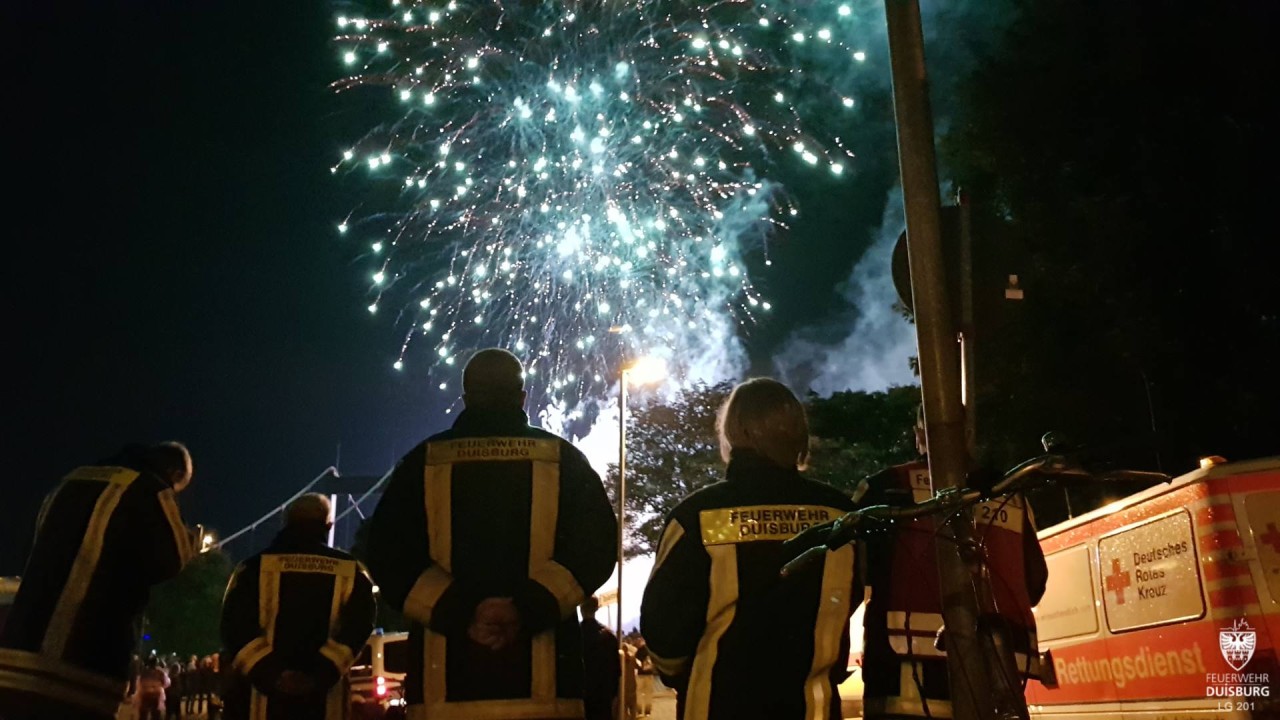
pixel 673 450
pixel 1111 155
pixel 184 612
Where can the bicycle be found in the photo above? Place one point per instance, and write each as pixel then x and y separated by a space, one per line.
pixel 1055 467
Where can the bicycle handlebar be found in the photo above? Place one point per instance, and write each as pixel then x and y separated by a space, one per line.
pixel 1041 470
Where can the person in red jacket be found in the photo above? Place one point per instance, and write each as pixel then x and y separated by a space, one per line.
pixel 904 669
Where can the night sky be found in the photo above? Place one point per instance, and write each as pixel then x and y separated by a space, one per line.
pixel 173 270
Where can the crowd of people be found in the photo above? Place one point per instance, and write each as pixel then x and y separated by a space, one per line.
pixel 164 686
pixel 488 538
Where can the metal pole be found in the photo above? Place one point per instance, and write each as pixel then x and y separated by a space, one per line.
pixel 976 692
pixel 968 332
pixel 622 523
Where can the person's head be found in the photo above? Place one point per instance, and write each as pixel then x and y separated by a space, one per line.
pixel 763 415
pixel 172 462
pixel 493 380
pixel 150 662
pixel 922 443
pixel 590 605
pixel 310 515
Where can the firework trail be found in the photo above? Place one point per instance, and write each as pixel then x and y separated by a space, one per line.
pixel 581 181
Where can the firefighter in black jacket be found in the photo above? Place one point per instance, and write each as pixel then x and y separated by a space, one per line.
pixel 488 537
pixel 734 640
pixel 103 538
pixel 294 618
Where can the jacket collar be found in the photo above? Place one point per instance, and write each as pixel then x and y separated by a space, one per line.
pixel 748 465
pixel 476 420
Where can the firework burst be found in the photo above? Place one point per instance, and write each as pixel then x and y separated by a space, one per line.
pixel 580 180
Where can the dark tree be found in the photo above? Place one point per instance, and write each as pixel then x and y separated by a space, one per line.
pixel 184 612
pixel 1116 154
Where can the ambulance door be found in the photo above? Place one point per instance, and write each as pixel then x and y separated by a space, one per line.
pixel 1070 629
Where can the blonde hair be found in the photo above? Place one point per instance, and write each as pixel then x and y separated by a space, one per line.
pixel 763 415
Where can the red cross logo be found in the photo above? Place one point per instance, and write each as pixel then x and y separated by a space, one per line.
pixel 1272 536
pixel 1118 580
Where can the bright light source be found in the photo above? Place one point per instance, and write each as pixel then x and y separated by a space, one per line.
pixel 646 371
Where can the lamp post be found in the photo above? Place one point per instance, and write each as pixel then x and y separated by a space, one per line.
pixel 644 371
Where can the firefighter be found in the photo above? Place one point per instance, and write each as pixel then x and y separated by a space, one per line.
pixel 294 618
pixel 734 640
pixel 488 537
pixel 904 664
pixel 103 538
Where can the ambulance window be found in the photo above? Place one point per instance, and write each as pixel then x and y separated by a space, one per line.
pixel 1069 607
pixel 1263 511
pixel 1150 574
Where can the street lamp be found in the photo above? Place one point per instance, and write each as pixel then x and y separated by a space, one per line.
pixel 644 371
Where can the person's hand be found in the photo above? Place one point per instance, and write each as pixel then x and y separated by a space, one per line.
pixel 495 624
pixel 292 682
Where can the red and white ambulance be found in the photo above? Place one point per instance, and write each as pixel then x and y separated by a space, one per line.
pixel 1166 605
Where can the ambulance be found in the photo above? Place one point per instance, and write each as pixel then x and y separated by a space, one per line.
pixel 1166 604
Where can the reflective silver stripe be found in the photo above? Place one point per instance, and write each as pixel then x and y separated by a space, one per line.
pixel 668 666
pixel 425 593
pixel 721 608
pixel 558 709
pixel 920 646
pixel 47 677
pixel 917 621
pixel 670 538
pixel 833 616
pixel 85 564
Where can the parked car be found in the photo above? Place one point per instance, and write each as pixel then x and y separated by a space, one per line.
pixel 377 677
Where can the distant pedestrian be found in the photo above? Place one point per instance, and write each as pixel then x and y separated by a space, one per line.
pixel 487 538
pixel 173 697
pixel 104 536
pixel 720 626
pixel 294 619
pixel 603 665
pixel 191 688
pixel 151 686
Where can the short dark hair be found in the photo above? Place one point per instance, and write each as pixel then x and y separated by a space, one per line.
pixel 169 457
pixel 590 604
pixel 492 377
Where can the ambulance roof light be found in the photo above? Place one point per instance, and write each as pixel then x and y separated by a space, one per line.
pixel 1209 461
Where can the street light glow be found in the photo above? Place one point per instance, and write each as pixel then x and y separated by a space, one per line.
pixel 647 370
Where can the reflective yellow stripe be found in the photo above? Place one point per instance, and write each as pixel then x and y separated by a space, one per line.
pixel 561 583
pixel 670 537
pixel 86 562
pixel 181 541
pixel 425 593
pixel 338 654
pixel 251 655
pixel 544 508
pixel 493 449
pixel 438 497
pixel 833 616
pixel 55 688
pixel 433 666
pixel 438 494
pixel 29 664
pixel 338 701
pixel 720 611
pixel 257 705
